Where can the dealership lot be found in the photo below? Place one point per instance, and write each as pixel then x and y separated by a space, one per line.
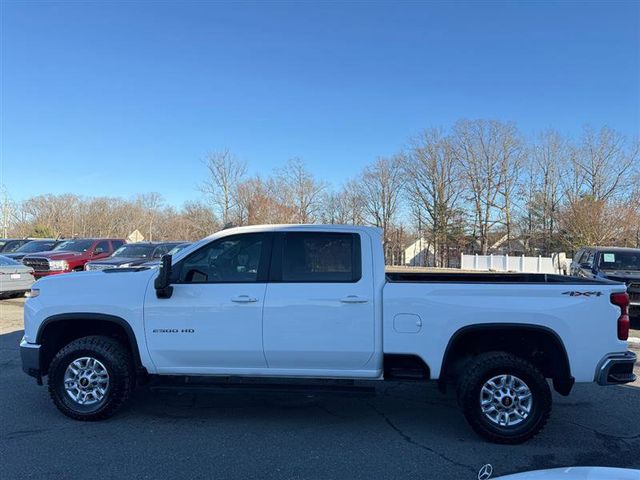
pixel 406 430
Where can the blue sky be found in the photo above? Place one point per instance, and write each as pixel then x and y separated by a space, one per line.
pixel 113 98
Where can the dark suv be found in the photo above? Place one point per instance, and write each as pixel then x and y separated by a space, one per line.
pixel 613 263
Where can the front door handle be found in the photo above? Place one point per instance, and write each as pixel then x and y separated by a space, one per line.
pixel 244 299
pixel 353 299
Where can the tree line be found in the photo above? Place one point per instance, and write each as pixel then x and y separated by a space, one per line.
pixel 477 186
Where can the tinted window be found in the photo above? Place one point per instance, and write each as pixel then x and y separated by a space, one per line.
pixel 235 259
pixel 117 243
pixel 104 246
pixel 321 257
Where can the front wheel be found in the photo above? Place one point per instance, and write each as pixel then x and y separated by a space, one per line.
pixel 91 377
pixel 504 398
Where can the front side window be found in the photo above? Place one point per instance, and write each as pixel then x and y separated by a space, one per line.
pixel 589 260
pixel 102 247
pixel 235 259
pixel 321 257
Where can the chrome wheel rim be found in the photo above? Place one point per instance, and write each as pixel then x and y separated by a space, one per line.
pixel 86 380
pixel 506 400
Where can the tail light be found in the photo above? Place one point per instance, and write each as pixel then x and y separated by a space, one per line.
pixel 622 301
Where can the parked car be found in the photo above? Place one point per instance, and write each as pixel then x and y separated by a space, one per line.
pixel 71 255
pixel 10 245
pixel 15 278
pixel 33 246
pixel 612 263
pixel 313 302
pixel 132 255
pixel 178 248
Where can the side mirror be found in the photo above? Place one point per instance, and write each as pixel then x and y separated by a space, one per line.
pixel 162 282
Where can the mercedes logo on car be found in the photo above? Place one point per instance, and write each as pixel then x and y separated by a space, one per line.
pixel 485 472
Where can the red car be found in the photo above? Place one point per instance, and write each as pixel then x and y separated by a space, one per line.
pixel 71 255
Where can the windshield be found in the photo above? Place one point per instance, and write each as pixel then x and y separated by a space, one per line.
pixel 4 262
pixel 75 245
pixel 36 247
pixel 620 260
pixel 137 251
pixel 178 248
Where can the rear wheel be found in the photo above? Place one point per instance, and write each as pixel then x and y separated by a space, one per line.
pixel 504 398
pixel 91 377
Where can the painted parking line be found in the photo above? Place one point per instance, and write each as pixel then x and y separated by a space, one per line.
pixel 635 340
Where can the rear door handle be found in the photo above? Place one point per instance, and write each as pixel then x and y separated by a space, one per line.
pixel 353 299
pixel 244 299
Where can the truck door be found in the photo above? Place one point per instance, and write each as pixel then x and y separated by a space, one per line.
pixel 319 304
pixel 213 321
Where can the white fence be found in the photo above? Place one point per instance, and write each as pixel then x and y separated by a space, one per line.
pixel 506 263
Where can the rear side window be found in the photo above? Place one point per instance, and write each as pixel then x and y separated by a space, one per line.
pixel 321 257
pixel 116 244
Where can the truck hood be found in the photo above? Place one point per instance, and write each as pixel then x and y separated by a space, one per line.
pixel 57 255
pixel 116 261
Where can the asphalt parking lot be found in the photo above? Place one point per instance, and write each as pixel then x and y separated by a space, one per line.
pixel 405 431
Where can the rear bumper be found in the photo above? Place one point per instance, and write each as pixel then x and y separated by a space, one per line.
pixel 616 368
pixel 30 356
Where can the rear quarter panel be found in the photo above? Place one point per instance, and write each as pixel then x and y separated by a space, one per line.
pixel 587 325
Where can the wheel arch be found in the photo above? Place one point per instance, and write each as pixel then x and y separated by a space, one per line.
pixel 58 330
pixel 538 344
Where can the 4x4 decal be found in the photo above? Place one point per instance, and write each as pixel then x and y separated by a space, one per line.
pixel 582 294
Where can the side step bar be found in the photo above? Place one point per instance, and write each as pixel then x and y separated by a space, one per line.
pixel 246 386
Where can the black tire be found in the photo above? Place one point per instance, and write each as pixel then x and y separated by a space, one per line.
pixel 119 366
pixel 483 368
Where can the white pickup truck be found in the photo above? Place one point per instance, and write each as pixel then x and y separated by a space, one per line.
pixel 314 302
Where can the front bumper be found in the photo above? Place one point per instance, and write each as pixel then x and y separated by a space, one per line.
pixel 30 355
pixel 616 368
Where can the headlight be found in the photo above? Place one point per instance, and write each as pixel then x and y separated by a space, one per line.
pixel 58 265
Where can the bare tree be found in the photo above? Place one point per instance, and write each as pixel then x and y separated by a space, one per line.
pixel 380 187
pixel 487 150
pixel 344 206
pixel 433 187
pixel 224 173
pixel 297 187
pixel 542 187
pixel 603 165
